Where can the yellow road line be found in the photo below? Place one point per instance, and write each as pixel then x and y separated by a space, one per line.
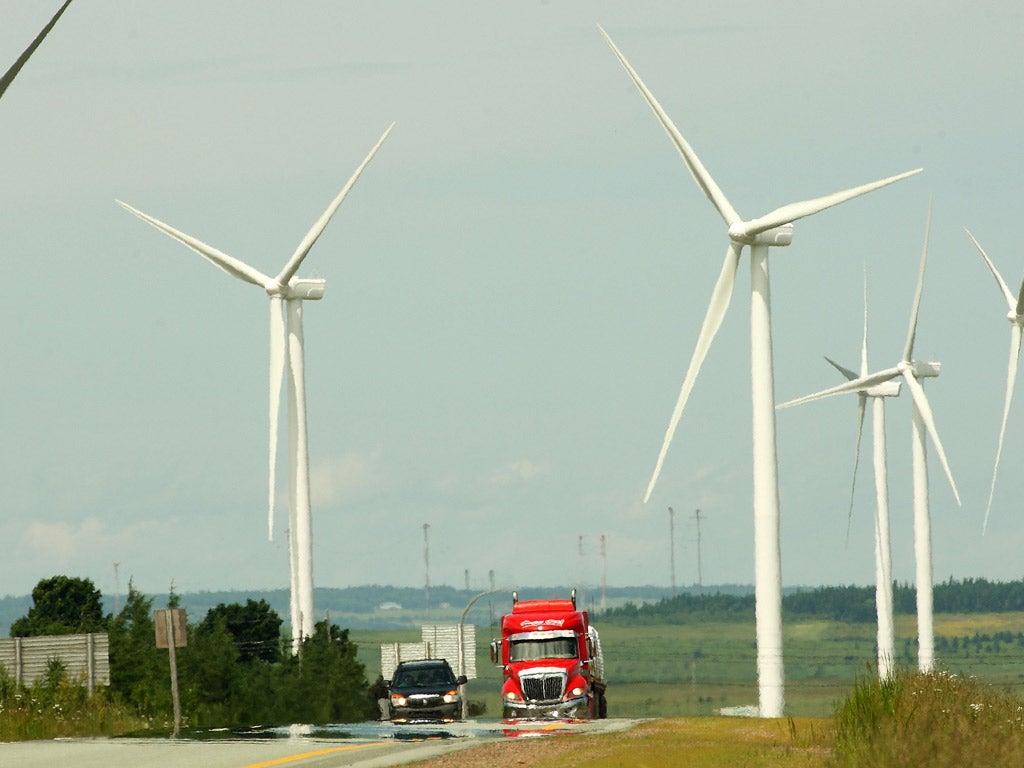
pixel 318 753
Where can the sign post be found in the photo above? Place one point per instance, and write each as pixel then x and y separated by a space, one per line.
pixel 171 633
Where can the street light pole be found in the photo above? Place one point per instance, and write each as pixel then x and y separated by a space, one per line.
pixel 462 651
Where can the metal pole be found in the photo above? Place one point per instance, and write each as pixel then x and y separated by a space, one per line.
pixel 426 566
pixel 462 652
pixel 700 568
pixel 672 547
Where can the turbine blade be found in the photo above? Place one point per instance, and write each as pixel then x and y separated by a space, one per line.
pixel 861 407
pixel 278 331
pixel 12 73
pixel 317 229
pixel 697 169
pixel 1011 377
pixel 855 385
pixel 229 264
pixel 790 213
pixel 1012 303
pixel 713 318
pixel 921 403
pixel 850 375
pixel 908 349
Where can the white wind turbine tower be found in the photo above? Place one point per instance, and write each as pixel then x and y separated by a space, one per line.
pixel 286 291
pixel 12 73
pixel 1015 314
pixel 774 228
pixel 911 372
pixel 886 634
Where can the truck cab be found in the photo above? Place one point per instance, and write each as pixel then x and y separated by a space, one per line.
pixel 551 659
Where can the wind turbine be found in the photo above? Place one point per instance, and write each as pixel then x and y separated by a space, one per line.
pixel 774 228
pixel 1015 314
pixel 886 635
pixel 286 292
pixel 911 372
pixel 12 73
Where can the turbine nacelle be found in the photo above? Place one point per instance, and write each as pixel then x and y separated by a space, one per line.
pixel 920 370
pixel 889 388
pixel 776 236
pixel 301 288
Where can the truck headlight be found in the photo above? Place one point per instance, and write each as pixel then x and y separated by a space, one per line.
pixel 577 691
pixel 512 696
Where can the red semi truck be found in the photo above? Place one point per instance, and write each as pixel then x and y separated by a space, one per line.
pixel 551 659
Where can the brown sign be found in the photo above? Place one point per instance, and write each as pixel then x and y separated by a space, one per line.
pixel 176 625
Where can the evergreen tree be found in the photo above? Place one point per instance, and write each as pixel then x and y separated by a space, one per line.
pixel 139 671
pixel 211 669
pixel 255 628
pixel 330 686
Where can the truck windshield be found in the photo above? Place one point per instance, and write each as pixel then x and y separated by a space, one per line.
pixel 548 648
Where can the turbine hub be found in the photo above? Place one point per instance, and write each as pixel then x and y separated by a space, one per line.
pixel 1014 318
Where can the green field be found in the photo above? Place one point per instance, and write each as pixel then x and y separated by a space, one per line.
pixel 687 670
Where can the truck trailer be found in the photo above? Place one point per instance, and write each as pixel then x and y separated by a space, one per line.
pixel 551 660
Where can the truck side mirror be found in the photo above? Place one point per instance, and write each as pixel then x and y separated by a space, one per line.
pixel 496 652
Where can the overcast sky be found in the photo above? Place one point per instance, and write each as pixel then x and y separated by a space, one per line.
pixel 514 286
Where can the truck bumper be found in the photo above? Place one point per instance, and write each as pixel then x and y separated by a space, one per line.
pixel 570 709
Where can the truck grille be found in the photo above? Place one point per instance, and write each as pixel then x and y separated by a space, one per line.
pixel 543 687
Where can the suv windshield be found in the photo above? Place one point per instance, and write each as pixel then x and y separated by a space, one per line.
pixel 548 648
pixel 423 677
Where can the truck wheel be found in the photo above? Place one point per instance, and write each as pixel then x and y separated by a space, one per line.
pixel 602 706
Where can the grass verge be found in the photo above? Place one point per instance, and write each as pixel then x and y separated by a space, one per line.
pixel 696 742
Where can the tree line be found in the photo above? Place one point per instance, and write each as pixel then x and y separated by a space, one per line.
pixel 236 670
pixel 842 603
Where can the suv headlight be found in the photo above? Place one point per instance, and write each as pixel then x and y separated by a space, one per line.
pixel 451 696
pixel 397 700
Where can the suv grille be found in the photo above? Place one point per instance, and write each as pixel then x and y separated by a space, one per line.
pixel 543 687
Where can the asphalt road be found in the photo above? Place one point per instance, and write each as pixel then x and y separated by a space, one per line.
pixel 366 745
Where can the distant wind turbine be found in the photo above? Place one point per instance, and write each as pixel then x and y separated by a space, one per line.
pixel 286 291
pixel 923 422
pixel 12 73
pixel 1015 314
pixel 886 635
pixel 774 228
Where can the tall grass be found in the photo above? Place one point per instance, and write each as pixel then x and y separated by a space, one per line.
pixel 55 707
pixel 933 719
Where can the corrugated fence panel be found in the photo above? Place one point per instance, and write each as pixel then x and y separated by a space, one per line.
pixel 392 653
pixel 440 641
pixel 444 644
pixel 86 658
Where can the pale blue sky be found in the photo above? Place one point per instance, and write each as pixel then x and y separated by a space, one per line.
pixel 514 286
